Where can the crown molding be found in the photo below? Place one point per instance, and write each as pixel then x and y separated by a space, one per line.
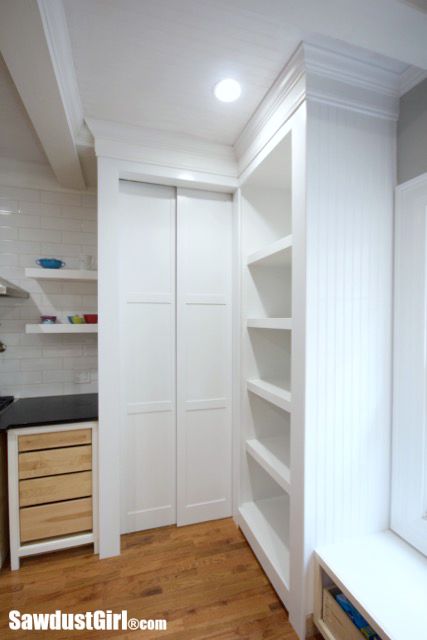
pixel 325 71
pixel 410 78
pixel 58 41
pixel 162 148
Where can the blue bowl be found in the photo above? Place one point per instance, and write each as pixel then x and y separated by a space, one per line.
pixel 50 263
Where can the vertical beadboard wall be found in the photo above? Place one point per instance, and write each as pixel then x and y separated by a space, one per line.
pixel 350 181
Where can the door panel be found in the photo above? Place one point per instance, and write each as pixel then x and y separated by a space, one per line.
pixel 147 291
pixel 204 356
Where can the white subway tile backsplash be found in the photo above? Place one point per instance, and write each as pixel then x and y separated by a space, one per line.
pixel 60 197
pixel 89 200
pixel 49 224
pixel 40 235
pixel 8 233
pixel 20 194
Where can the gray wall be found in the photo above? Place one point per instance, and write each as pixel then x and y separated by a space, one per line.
pixel 412 134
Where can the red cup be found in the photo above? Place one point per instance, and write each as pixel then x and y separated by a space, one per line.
pixel 91 318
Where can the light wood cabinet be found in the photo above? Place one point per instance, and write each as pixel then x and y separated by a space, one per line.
pixel 52 488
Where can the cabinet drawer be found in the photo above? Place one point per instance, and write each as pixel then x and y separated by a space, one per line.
pixel 54 439
pixel 55 488
pixel 337 620
pixel 34 464
pixel 56 519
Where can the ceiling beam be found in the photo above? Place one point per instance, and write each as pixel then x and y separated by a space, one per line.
pixel 35 46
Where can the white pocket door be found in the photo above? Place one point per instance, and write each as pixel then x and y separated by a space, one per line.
pixel 204 356
pixel 146 259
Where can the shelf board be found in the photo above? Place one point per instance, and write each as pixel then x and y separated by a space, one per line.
pixel 276 254
pixel 76 275
pixel 270 453
pixel 271 392
pixel 264 524
pixel 270 323
pixel 61 328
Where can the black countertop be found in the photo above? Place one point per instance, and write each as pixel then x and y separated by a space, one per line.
pixel 32 412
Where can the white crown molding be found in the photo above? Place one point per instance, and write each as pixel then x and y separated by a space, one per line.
pixel 58 41
pixel 162 148
pixel 336 74
pixel 410 78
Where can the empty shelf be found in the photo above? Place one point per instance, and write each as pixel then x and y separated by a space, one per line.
pixel 276 254
pixel 61 328
pixel 265 525
pixel 270 453
pixel 62 274
pixel 270 323
pixel 271 392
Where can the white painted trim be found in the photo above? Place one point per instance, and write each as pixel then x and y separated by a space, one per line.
pixel 13 489
pixel 38 87
pixel 58 41
pixel 134 408
pixel 418 181
pixel 65 542
pixel 410 78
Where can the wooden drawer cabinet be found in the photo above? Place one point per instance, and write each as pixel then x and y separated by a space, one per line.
pixel 57 519
pixel 55 488
pixel 50 462
pixel 52 489
pixel 54 440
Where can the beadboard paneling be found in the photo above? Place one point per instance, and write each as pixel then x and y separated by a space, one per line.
pixel 350 180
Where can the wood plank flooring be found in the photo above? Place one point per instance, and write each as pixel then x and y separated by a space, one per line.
pixel 202 578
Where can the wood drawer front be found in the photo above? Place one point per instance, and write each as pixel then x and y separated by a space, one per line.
pixel 56 519
pixel 35 464
pixel 54 439
pixel 337 620
pixel 55 488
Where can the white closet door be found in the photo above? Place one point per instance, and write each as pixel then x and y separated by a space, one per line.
pixel 147 291
pixel 204 356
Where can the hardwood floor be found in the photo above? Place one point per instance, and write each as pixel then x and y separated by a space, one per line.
pixel 203 579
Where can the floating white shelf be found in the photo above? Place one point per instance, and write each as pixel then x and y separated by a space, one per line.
pixel 271 392
pixel 265 524
pixel 270 453
pixel 61 328
pixel 270 323
pixel 276 254
pixel 78 275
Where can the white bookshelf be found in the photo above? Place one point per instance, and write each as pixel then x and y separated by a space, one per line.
pixel 270 323
pixel 275 254
pixel 272 453
pixel 73 275
pixel 61 328
pixel 273 393
pixel 265 477
pixel 265 525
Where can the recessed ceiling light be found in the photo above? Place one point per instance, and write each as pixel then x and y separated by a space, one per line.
pixel 227 90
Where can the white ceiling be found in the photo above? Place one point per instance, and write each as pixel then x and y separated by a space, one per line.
pixel 18 140
pixel 153 63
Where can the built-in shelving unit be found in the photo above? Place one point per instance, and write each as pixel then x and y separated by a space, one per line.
pixel 267 247
pixel 270 323
pixel 76 275
pixel 61 328
pixel 278 253
pixel 264 524
pixel 273 393
pixel 272 453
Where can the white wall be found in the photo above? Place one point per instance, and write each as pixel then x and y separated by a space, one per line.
pixel 53 223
